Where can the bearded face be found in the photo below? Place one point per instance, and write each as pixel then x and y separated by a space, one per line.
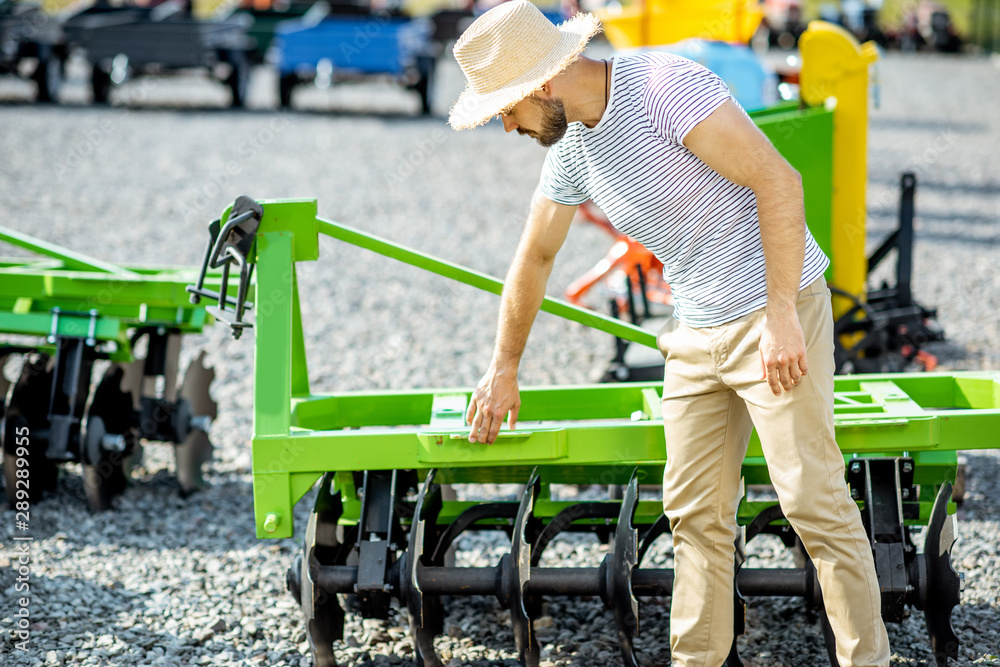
pixel 553 122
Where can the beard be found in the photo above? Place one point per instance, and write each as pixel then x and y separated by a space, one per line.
pixel 554 123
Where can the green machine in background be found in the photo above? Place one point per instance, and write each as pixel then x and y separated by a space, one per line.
pixel 62 313
pixel 382 523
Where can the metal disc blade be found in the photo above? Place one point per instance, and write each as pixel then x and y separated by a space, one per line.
pixel 943 583
pixel 132 380
pixel 195 388
pixel 526 529
pixel 324 617
pixel 426 611
pixel 191 455
pixel 622 561
pixel 26 410
pixel 4 382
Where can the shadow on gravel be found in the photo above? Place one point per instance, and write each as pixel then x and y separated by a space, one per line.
pixel 943 125
pixel 923 215
pixel 331 112
pixel 971 188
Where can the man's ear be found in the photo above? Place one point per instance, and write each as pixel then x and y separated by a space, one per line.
pixel 545 92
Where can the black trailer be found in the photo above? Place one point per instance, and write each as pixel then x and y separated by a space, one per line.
pixel 165 39
pixel 32 46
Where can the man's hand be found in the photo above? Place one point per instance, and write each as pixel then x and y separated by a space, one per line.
pixel 495 397
pixel 782 352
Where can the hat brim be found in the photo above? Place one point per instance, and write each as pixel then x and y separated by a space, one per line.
pixel 472 110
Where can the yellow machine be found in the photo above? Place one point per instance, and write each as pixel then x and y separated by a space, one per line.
pixel 835 72
pixel 653 22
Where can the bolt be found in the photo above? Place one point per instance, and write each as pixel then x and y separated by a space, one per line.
pixel 907 467
pixel 387 588
pixel 906 493
pixel 271 522
pixel 855 494
pixel 856 467
pixel 201 423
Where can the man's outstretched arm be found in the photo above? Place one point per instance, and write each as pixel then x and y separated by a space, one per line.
pixel 497 394
pixel 729 142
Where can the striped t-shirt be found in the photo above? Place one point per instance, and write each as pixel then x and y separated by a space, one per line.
pixel 634 165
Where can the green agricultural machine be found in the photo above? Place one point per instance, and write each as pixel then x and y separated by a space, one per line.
pixel 382 463
pixel 64 316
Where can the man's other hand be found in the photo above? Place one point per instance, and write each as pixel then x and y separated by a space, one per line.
pixel 782 352
pixel 496 396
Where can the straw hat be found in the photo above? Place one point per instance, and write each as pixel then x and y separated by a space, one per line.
pixel 508 53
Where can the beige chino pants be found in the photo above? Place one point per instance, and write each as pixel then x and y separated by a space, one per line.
pixel 713 395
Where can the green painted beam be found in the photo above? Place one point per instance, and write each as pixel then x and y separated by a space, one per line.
pixel 273 350
pixel 40 324
pixel 71 260
pixel 484 282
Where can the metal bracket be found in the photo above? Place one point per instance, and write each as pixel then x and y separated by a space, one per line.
pixel 377 530
pixel 230 244
pixel 883 484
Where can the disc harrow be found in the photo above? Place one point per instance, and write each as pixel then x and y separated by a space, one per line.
pixel 383 524
pixel 73 314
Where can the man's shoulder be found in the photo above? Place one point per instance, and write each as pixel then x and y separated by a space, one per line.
pixel 651 62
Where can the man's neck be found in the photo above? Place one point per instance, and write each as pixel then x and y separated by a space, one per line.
pixel 587 84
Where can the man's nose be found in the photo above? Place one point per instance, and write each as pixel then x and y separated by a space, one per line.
pixel 509 124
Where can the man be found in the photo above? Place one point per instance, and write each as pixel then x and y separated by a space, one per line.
pixel 660 145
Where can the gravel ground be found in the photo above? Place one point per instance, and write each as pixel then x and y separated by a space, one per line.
pixel 164 581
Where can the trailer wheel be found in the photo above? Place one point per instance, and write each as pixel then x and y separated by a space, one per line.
pixel 25 420
pixel 286 84
pixel 239 77
pixel 100 84
pixel 48 75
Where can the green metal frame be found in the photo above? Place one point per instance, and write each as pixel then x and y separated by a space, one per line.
pixel 121 297
pixel 576 434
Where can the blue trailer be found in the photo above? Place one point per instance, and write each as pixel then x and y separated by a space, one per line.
pixel 356 47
